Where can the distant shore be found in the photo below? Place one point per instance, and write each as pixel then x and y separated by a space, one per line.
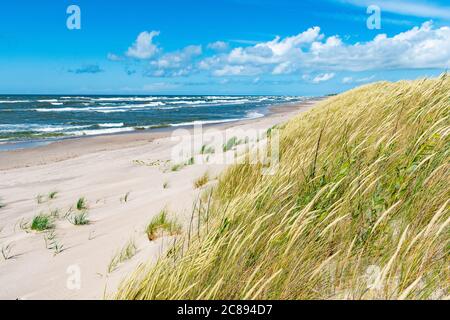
pixel 40 152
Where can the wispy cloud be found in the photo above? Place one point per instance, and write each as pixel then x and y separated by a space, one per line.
pixel 92 69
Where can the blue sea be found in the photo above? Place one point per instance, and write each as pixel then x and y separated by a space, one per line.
pixel 46 118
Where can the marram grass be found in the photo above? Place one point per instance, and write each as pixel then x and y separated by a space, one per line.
pixel 359 209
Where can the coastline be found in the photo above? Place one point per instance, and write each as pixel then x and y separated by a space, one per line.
pixel 103 170
pixel 70 147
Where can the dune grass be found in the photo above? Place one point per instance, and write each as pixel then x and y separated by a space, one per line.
pixel 201 181
pixel 124 254
pixel 162 223
pixel 79 218
pixel 358 209
pixel 41 222
pixel 81 204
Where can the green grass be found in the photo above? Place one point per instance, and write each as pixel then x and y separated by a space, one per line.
pixel 162 224
pixel 207 150
pixel 52 195
pixel 81 204
pixel 232 142
pixel 124 254
pixel 358 209
pixel 79 218
pixel 201 181
pixel 190 162
pixel 42 222
pixel 176 167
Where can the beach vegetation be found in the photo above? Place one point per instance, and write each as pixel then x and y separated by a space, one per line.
pixel 201 181
pixel 41 222
pixel 357 209
pixel 160 224
pixel 124 254
pixel 79 218
pixel 6 251
pixel 81 204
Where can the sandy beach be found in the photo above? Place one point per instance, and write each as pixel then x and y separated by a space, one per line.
pixel 126 180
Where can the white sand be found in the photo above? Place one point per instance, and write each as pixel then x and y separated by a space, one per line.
pixel 101 169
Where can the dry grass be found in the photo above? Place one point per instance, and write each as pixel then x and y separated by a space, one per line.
pixel 359 209
pixel 162 224
pixel 201 181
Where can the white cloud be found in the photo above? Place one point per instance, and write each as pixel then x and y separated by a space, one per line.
pixel 113 57
pixel 349 80
pixel 177 63
pixel 218 46
pixel 143 47
pixel 323 77
pixel 310 51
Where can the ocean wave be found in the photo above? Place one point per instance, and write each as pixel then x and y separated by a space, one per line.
pixel 15 101
pixel 48 100
pixel 108 125
pixel 99 131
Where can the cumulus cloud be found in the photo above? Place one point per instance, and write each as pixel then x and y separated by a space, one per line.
pixel 177 63
pixel 218 46
pixel 417 48
pixel 143 47
pixel 92 69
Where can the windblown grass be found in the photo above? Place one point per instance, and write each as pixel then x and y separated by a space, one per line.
pixel 162 223
pixel 124 254
pixel 358 209
pixel 201 181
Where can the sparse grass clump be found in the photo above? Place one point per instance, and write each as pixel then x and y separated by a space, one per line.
pixel 126 253
pixel 207 150
pixel 125 198
pixel 162 223
pixel 357 209
pixel 201 181
pixel 232 142
pixel 81 204
pixel 79 218
pixel 6 251
pixel 165 185
pixel 176 167
pixel 2 204
pixel 42 222
pixel 52 195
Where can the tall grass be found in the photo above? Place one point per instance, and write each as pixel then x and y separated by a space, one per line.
pixel 358 209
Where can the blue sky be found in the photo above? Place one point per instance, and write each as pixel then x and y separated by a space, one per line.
pixel 217 47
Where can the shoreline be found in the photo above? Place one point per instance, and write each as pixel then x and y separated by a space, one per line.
pixel 81 145
pixel 102 170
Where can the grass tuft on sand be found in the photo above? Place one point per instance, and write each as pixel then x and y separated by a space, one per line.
pixel 162 223
pixel 358 209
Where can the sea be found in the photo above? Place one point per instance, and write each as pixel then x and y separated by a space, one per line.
pixel 27 120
